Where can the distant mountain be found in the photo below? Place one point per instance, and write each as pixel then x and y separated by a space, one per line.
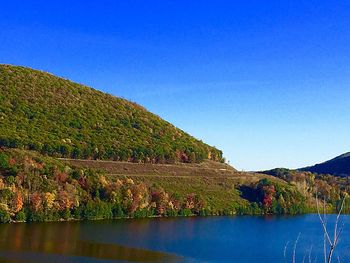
pixel 339 166
pixel 54 116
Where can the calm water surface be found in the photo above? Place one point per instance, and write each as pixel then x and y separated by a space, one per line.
pixel 243 239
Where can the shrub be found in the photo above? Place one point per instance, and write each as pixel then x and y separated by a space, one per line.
pixel 20 216
pixel 4 216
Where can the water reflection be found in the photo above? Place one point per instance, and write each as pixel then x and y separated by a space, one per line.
pixel 48 242
pixel 241 239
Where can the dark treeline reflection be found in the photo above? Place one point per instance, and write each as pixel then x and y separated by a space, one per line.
pixel 42 241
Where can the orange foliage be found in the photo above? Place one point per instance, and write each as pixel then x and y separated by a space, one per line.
pixel 36 201
pixel 12 161
pixel 17 202
pixel 190 201
pixel 61 177
pixel 64 200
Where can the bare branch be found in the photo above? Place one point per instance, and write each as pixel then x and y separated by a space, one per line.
pixel 324 248
pixel 323 223
pixel 310 251
pixel 336 234
pixel 285 251
pixel 295 247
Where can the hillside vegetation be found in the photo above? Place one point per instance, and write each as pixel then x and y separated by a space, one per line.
pixel 34 187
pixel 329 188
pixel 57 117
pixel 69 152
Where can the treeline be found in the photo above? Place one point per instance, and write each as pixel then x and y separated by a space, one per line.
pixel 34 188
pixel 38 188
pixel 53 116
pixel 268 197
pixel 327 188
pixel 155 154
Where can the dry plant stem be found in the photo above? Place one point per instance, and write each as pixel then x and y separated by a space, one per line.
pixel 324 248
pixel 310 254
pixel 285 252
pixel 295 247
pixel 332 243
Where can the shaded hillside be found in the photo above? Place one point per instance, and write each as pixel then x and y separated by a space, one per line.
pixel 54 116
pixel 339 166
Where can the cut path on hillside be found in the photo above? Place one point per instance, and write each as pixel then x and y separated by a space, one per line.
pixel 207 169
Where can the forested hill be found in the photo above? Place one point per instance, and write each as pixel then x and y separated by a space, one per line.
pixel 42 112
pixel 339 166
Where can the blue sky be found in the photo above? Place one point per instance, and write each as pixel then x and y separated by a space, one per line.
pixel 265 81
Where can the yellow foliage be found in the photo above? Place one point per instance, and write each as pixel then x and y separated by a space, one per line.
pixel 2 184
pixel 103 181
pixel 50 199
pixel 4 207
pixel 129 181
pixel 128 194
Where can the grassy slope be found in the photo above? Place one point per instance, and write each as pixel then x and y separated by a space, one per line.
pixel 218 183
pixel 34 187
pixel 55 116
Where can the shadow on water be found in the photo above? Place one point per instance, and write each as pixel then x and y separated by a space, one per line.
pixel 61 242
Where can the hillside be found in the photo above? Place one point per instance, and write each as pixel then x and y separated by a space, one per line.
pixel 54 116
pixel 326 187
pixel 339 166
pixel 34 187
pixel 69 152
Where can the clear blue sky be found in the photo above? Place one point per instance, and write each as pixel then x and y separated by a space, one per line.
pixel 268 82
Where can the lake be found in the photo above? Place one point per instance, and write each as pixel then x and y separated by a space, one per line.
pixel 243 239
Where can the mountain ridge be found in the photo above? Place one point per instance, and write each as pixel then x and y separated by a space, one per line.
pixel 339 166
